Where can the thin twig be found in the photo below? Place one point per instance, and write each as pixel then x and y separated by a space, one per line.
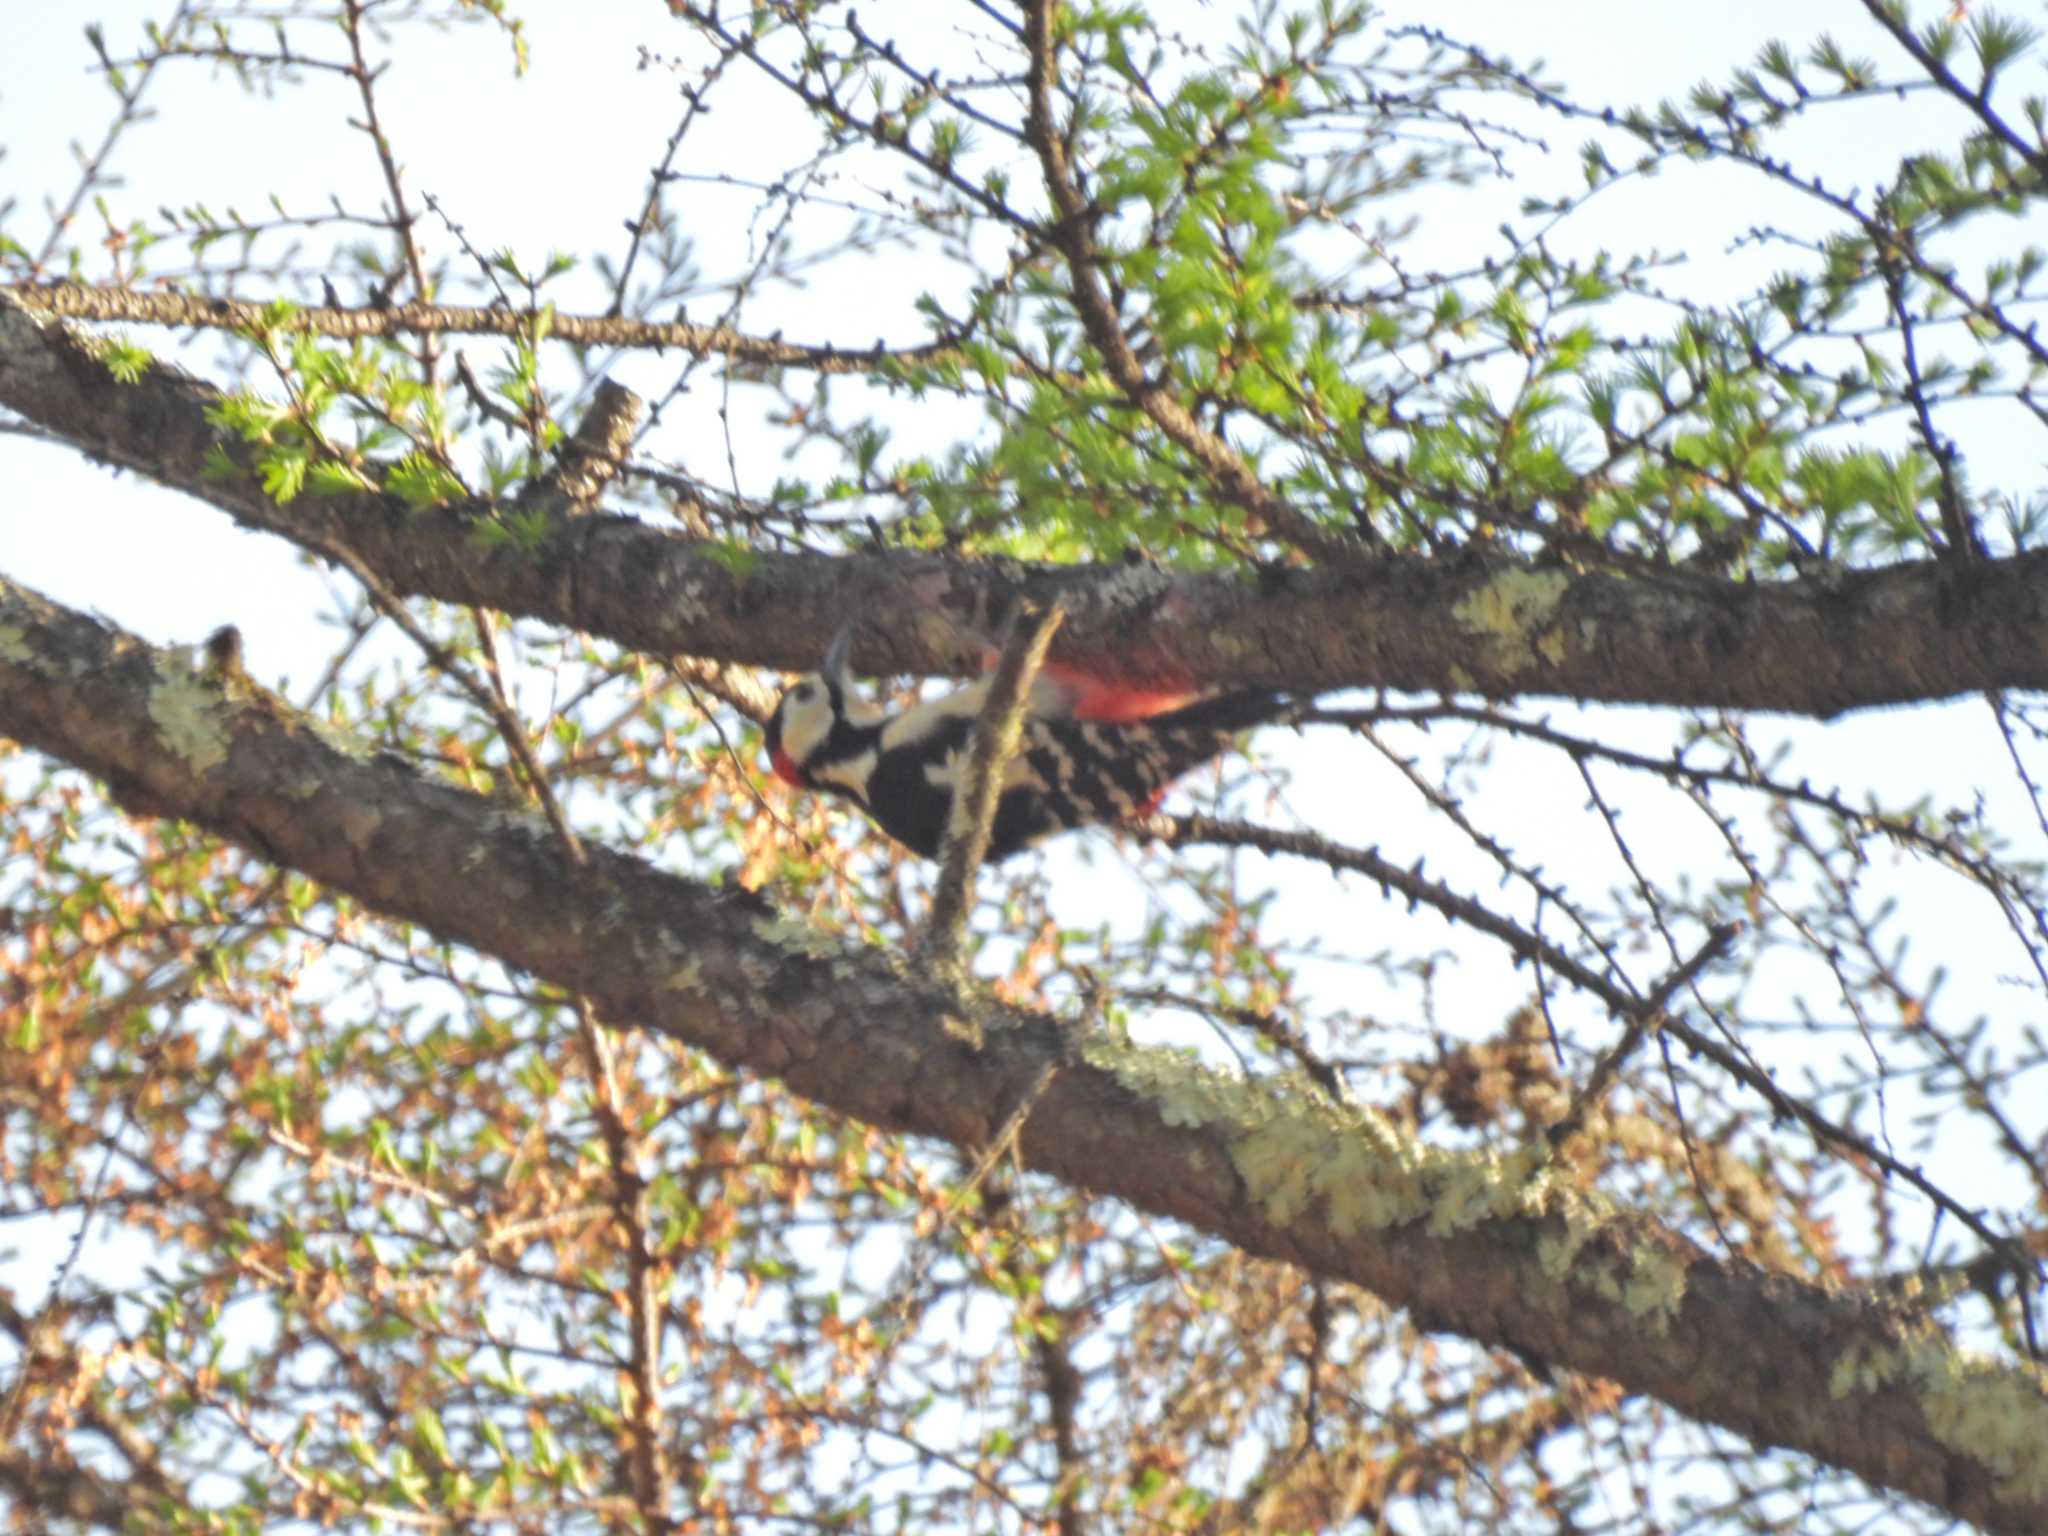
pixel 510 727
pixel 647 1459
pixel 1648 1017
pixel 403 219
pixel 1267 1025
pixel 76 301
pixel 978 790
pixel 1004 1138
pixel 128 86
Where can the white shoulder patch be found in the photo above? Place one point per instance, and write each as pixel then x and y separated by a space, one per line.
pixel 920 720
pixel 850 775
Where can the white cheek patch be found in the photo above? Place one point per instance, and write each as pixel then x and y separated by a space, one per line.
pixel 804 729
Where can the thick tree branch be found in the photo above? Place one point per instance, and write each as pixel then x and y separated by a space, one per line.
pixel 1846 640
pixel 1485 1247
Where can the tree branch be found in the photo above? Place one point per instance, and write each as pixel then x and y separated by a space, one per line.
pixel 1896 634
pixel 596 451
pixel 1648 1015
pixel 1475 1245
pixel 77 301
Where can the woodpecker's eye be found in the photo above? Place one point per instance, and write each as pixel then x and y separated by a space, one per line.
pixel 803 693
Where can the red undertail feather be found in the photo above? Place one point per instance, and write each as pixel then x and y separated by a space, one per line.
pixel 785 768
pixel 1093 698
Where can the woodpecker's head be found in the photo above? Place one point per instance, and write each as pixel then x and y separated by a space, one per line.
pixel 807 714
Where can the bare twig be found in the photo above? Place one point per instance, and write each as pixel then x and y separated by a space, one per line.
pixel 76 301
pixel 978 790
pixel 1264 1023
pixel 1648 1017
pixel 510 727
pixel 403 219
pixel 128 85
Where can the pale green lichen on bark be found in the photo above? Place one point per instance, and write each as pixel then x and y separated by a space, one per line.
pixel 1185 1092
pixel 1650 1284
pixel 1510 612
pixel 1294 1147
pixel 188 714
pixel 339 738
pixel 520 817
pixel 1472 1188
pixel 1557 1251
pixel 1655 1288
pixel 790 933
pixel 14 646
pixel 1995 1412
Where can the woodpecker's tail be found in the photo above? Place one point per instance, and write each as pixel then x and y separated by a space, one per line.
pixel 1065 690
pixel 1229 713
pixel 1072 772
pixel 1176 743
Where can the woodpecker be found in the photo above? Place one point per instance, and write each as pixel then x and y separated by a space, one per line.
pixel 1091 751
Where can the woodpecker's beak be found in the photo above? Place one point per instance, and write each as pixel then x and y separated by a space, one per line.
pixel 836 655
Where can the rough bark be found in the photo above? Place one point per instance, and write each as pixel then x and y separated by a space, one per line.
pixel 1815 646
pixel 1492 1251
